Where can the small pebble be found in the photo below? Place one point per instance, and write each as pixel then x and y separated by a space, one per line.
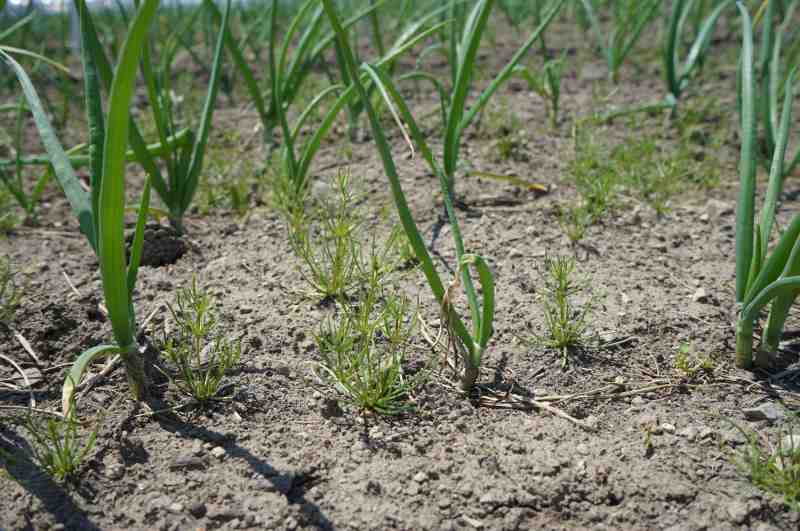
pixel 768 412
pixel 700 295
pixel 218 452
pixel 176 507
pixel 689 432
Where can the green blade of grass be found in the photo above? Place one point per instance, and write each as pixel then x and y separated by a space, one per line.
pixel 776 176
pixel 77 197
pixel 16 26
pixel 278 102
pixel 34 55
pixel 487 286
pixel 775 263
pixel 464 72
pixel 747 163
pixel 388 89
pixel 77 370
pixel 702 40
pixel 113 262
pixel 398 195
pixel 94 112
pixel 189 185
pixel 508 69
pixel 103 67
pixel 241 64
pixel 782 286
pixel 138 237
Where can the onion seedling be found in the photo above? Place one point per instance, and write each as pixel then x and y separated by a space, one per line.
pixel 183 165
pixel 763 277
pixel 296 160
pixel 677 73
pixel 101 212
pixel 469 346
pixel 772 77
pixel 547 84
pixel 630 18
pixel 15 185
pixel 289 66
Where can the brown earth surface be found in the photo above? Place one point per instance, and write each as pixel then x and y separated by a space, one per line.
pixel 289 453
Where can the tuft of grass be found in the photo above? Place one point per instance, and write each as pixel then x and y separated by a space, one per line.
pixel 230 181
pixel 328 241
pixel 8 220
pixel 773 466
pixel 57 446
pixel 566 320
pixel 603 175
pixel 201 355
pixel 363 349
pixel 10 293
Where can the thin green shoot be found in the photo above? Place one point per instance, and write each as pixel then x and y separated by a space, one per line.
pixel 773 465
pixel 567 321
pixel 629 20
pixel 10 293
pixel 328 241
pixel 546 83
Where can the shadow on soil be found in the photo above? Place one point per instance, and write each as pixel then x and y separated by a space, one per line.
pixel 55 498
pixel 293 486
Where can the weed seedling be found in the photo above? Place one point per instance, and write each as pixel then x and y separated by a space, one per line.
pixel 363 349
pixel 200 354
pixel 774 468
pixel 57 446
pixel 328 243
pixel 566 321
pixel 7 218
pixel 10 293
pixel 691 364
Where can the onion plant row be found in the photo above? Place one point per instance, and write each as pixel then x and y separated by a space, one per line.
pixel 101 210
pixel 767 275
pixel 765 278
pixel 469 345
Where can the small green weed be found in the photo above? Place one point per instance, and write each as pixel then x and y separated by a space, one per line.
pixel 566 321
pixel 8 220
pixel 10 293
pixel 691 364
pixel 200 354
pixel 363 349
pixel 773 467
pixel 57 446
pixel 636 167
pixel 230 176
pixel 500 123
pixel 328 241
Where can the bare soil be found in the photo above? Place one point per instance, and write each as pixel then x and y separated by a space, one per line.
pixel 288 453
